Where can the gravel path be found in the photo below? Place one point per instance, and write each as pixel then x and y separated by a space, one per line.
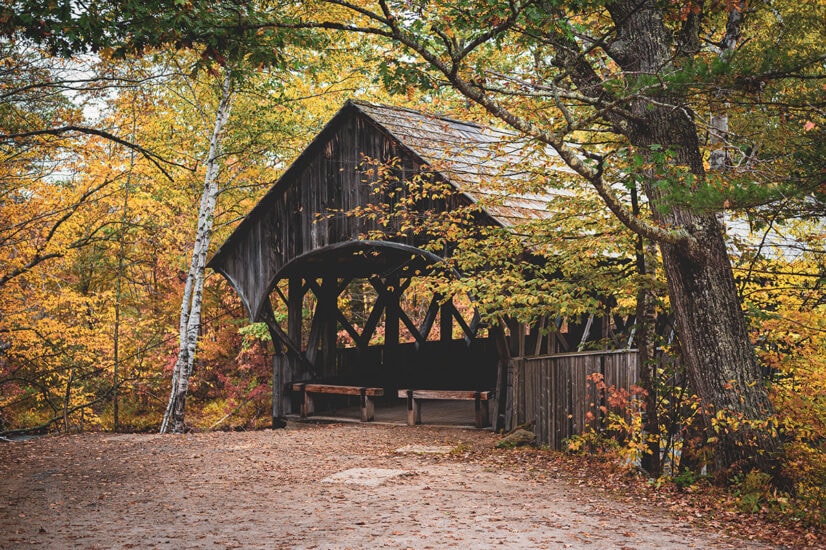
pixel 310 486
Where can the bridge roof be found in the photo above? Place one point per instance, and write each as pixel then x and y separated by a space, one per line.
pixel 503 171
pixel 508 176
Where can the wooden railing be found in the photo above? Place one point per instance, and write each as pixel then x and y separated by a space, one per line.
pixel 553 391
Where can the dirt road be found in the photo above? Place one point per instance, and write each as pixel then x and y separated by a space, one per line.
pixel 310 486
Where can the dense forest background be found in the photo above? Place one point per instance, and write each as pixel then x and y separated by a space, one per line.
pixel 106 123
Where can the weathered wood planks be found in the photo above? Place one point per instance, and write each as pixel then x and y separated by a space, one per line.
pixel 554 391
pixel 367 396
pixel 415 398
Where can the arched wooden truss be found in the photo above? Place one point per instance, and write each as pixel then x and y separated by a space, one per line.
pixel 387 269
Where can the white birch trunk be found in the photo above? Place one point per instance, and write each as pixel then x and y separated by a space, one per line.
pixel 190 321
pixel 718 131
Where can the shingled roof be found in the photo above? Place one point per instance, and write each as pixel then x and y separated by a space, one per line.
pixel 481 162
pixel 497 169
pixel 501 169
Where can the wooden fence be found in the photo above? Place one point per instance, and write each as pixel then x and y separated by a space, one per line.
pixel 554 392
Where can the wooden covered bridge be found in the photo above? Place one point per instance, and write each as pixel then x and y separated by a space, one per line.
pixel 338 304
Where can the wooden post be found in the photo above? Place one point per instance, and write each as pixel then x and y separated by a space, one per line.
pixel 482 412
pixel 368 408
pixel 309 405
pixel 414 410
pixel 446 322
pixel 501 420
pixel 279 367
pixel 328 307
pixel 391 314
pixel 278 401
pixel 295 299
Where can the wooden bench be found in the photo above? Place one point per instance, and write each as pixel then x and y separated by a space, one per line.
pixel 415 398
pixel 366 395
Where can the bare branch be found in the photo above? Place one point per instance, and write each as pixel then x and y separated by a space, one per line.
pixel 149 155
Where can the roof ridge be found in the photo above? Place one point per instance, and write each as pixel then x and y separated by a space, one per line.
pixel 420 112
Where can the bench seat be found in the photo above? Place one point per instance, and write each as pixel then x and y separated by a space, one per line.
pixel 367 396
pixel 415 398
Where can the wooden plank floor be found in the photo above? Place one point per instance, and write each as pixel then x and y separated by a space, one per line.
pixel 434 412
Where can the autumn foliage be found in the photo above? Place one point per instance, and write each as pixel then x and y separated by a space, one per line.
pixel 102 164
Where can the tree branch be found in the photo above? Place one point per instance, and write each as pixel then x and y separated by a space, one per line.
pixel 149 155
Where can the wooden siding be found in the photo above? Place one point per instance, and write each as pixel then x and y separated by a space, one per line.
pixel 553 391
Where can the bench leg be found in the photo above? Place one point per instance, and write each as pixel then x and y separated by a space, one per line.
pixel 415 413
pixel 414 410
pixel 368 408
pixel 308 408
pixel 482 413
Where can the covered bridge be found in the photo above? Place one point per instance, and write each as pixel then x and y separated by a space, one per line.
pixel 335 302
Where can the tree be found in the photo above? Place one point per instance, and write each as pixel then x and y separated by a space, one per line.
pixel 190 320
pixel 621 89
pixel 282 88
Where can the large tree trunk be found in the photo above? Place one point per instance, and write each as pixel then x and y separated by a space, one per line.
pixel 717 351
pixel 190 320
pixel 716 348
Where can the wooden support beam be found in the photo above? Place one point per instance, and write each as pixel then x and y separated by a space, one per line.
pixel 414 330
pixel 469 334
pixel 313 286
pixel 473 328
pixel 372 321
pixel 343 284
pixel 517 337
pixel 328 304
pixel 446 322
pixel 504 398
pixel 540 327
pixel 391 308
pixel 563 342
pixel 314 339
pixel 292 347
pixel 351 330
pixel 279 368
pixel 586 333
pixel 430 317
pixel 278 291
pixel 295 301
pixel 475 323
pixel 403 285
pixel 280 406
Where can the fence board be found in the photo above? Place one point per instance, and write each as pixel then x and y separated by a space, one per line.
pixel 553 392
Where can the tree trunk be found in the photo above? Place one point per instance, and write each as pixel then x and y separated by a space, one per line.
pixel 713 334
pixel 67 399
pixel 190 320
pixel 719 358
pixel 644 337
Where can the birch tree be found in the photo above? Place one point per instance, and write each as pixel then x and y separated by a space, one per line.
pixel 190 319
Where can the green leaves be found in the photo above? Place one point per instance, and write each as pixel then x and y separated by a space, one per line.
pixel 399 76
pixel 257 332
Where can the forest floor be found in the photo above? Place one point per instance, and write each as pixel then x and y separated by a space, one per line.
pixel 339 486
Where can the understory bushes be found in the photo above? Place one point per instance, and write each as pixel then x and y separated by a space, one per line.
pixel 796 491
